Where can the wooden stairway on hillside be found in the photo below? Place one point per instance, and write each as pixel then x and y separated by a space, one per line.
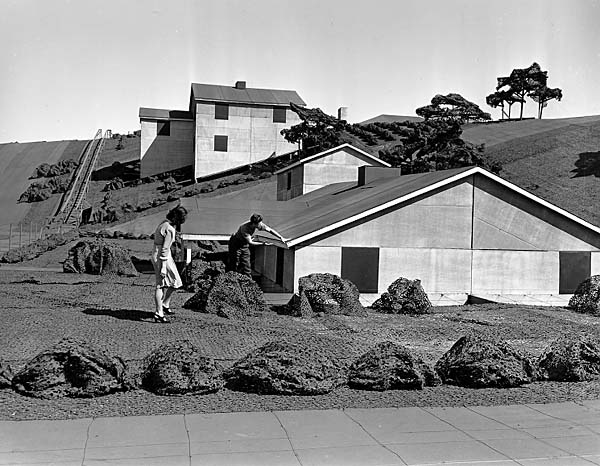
pixel 68 215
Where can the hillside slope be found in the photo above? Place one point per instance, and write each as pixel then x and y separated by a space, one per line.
pixel 17 163
pixel 561 166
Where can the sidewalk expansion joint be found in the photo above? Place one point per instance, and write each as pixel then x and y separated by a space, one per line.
pixel 187 431
pixel 288 438
pixel 471 436
pixel 519 430
pixel 87 439
pixel 376 440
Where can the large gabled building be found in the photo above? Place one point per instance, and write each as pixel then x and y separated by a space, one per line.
pixel 225 127
pixel 462 231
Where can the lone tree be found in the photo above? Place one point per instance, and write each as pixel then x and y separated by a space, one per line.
pixel 525 82
pixel 452 107
pixel 435 145
pixel 317 131
pixel 543 95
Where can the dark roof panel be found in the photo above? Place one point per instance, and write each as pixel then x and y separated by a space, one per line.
pixel 162 114
pixel 217 93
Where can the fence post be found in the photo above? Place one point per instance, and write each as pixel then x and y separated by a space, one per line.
pixel 9 236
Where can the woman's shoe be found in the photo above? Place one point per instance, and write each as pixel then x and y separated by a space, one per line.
pixel 161 319
pixel 167 310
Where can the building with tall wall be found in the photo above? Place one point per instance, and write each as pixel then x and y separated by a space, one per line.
pixel 224 128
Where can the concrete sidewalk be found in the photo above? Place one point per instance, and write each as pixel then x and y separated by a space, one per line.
pixel 562 434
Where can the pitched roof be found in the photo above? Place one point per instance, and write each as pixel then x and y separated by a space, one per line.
pixel 162 114
pixel 332 151
pixel 391 119
pixel 338 209
pixel 218 93
pixel 218 218
pixel 335 206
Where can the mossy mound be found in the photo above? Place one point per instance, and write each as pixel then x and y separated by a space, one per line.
pixel 178 368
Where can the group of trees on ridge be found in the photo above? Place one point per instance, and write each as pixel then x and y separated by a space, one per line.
pixel 529 82
pixel 434 143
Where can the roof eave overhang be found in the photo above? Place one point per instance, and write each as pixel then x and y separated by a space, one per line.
pixel 203 237
pixel 475 170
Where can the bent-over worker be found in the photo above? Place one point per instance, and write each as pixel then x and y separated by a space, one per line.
pixel 240 242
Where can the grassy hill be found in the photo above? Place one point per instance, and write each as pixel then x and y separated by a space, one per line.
pixel 560 164
pixel 17 163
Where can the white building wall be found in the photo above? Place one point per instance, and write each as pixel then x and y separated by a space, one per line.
pixel 440 270
pixel 159 154
pixel 252 136
pixel 504 219
pixel 515 272
pixel 442 220
pixel 595 263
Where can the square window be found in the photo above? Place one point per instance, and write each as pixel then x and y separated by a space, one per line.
pixel 279 115
pixel 221 143
pixel 163 128
pixel 221 112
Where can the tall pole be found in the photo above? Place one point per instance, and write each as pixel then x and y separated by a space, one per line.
pixel 9 236
pixel 20 233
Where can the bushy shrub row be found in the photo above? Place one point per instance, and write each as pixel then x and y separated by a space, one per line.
pixel 42 190
pixel 36 248
pixel 46 170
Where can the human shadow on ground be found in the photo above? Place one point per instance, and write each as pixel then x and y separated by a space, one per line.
pixel 588 164
pixel 122 314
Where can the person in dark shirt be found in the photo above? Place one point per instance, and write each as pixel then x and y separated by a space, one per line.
pixel 240 242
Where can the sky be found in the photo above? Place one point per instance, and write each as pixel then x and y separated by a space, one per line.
pixel 71 67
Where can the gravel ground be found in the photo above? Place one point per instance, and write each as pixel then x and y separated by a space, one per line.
pixel 39 308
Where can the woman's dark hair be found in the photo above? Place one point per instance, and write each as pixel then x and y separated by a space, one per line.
pixel 177 215
pixel 256 218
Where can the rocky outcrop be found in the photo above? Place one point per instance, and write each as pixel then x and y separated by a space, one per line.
pixel 284 368
pixel 6 375
pixel 200 275
pixel 571 359
pixel 403 296
pixel 230 295
pixel 586 298
pixel 98 257
pixel 178 368
pixel 325 293
pixel 481 361
pixel 389 366
pixel 71 368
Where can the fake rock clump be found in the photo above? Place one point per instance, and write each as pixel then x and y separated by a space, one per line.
pixel 403 296
pixel 177 368
pixel 325 293
pixel 482 361
pixel 230 295
pixel 71 368
pixel 284 368
pixel 99 257
pixel 389 366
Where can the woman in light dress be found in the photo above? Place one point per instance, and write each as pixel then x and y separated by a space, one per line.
pixel 165 271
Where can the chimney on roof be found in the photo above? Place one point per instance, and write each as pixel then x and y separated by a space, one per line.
pixel 368 173
pixel 240 85
pixel 343 113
